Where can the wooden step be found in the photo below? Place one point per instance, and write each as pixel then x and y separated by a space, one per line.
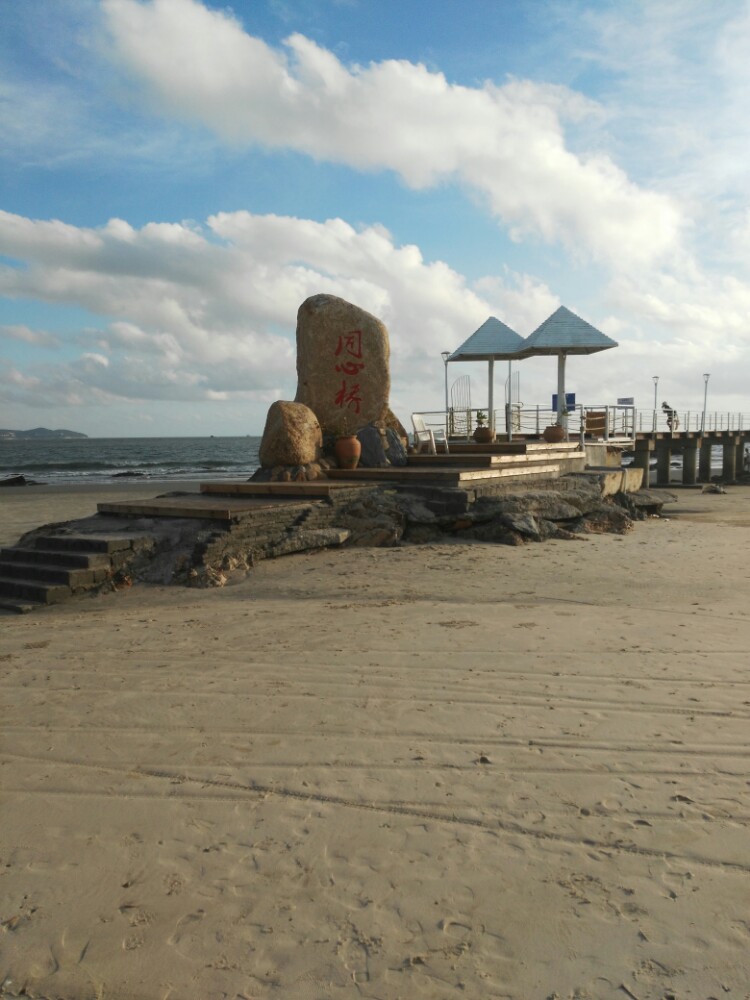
pixel 446 476
pixel 210 506
pixel 318 488
pixel 485 461
pixel 495 448
pixel 476 461
pixel 509 447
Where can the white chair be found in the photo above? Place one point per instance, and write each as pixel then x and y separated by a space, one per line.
pixel 426 435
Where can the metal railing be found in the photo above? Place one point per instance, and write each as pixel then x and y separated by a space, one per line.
pixel 608 422
pixel 660 421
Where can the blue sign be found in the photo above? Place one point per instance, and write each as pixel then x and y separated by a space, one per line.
pixel 570 401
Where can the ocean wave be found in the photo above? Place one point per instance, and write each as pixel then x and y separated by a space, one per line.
pixel 103 460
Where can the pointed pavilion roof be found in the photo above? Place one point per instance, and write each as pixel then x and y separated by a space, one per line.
pixel 565 333
pixel 494 340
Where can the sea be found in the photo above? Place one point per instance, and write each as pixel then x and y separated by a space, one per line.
pixel 112 460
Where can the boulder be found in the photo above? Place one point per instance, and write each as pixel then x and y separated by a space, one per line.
pixel 292 436
pixel 395 450
pixel 342 364
pixel 373 453
pixel 393 423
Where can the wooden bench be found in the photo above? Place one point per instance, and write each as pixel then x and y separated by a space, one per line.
pixel 596 423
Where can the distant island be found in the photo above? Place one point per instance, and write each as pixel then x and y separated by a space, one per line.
pixel 40 432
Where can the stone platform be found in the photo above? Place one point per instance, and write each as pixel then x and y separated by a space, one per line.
pixel 205 539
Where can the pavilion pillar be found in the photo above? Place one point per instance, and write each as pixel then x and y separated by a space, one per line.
pixel 704 460
pixel 491 393
pixel 509 406
pixel 663 458
pixel 561 392
pixel 642 459
pixel 689 460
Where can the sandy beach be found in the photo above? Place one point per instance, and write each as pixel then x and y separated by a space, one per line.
pixel 441 771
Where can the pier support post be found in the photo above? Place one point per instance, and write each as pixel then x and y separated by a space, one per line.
pixel 689 459
pixel 729 460
pixel 642 458
pixel 739 459
pixel 663 458
pixel 704 461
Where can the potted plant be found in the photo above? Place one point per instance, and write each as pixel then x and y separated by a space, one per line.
pixel 482 434
pixel 555 433
pixel 347 447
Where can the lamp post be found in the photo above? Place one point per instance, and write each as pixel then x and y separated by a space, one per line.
pixel 445 355
pixel 706 377
pixel 656 389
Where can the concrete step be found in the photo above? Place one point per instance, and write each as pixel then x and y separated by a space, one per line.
pixel 19 607
pixel 54 568
pixel 15 588
pixel 75 578
pixel 61 557
pixel 85 543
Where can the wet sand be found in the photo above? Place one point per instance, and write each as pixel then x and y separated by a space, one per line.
pixel 439 771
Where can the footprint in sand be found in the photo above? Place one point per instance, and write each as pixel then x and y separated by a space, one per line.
pixel 133 941
pixel 185 930
pixel 173 884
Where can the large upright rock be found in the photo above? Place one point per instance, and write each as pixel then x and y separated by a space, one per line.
pixel 292 436
pixel 342 364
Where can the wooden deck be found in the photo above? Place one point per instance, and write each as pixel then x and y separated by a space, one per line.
pixel 494 460
pixel 469 466
pixel 318 488
pixel 446 475
pixel 210 508
pixel 522 447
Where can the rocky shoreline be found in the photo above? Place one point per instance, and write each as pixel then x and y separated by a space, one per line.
pixel 203 553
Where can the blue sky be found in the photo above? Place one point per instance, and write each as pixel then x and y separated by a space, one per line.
pixel 177 176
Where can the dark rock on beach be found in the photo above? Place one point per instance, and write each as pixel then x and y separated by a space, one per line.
pixel 19 481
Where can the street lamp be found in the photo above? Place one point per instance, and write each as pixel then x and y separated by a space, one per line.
pixel 445 355
pixel 706 377
pixel 656 389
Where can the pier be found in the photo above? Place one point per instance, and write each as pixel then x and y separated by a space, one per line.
pixel 695 448
pixel 644 433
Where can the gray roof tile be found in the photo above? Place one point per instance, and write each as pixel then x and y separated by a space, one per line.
pixel 493 339
pixel 563 331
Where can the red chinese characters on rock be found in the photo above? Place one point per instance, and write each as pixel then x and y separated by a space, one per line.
pixel 350 364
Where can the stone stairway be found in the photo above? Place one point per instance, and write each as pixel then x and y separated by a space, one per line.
pixel 48 569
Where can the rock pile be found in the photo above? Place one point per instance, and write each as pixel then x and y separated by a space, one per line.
pixel 343 387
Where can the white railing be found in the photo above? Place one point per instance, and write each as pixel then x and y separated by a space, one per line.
pixel 618 423
pixel 691 420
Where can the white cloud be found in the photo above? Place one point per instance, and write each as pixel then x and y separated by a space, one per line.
pixel 213 320
pixel 216 314
pixel 506 142
pixel 18 331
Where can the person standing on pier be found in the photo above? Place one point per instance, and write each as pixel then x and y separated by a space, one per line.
pixel 673 421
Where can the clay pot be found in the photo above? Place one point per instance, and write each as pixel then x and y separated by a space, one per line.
pixel 554 433
pixel 347 450
pixel 483 435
